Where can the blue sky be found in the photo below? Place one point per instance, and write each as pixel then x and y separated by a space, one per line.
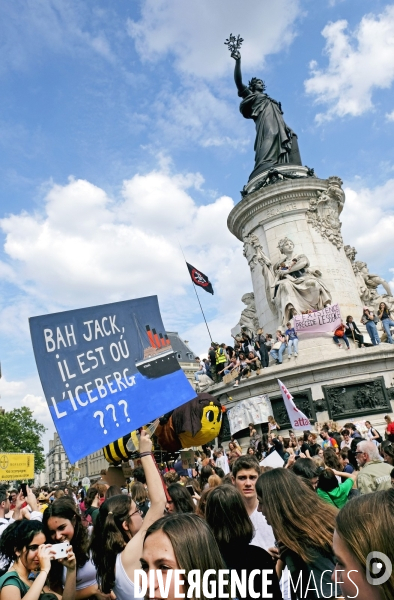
pixel 120 138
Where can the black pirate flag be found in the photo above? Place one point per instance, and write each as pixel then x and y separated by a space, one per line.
pixel 200 279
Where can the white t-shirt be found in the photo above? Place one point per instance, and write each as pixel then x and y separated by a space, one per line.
pixel 264 536
pixel 124 588
pixel 86 575
pixel 222 463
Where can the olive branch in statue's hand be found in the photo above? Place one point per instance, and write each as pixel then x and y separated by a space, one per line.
pixel 234 43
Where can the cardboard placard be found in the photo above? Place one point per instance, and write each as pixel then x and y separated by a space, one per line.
pixel 16 466
pixel 105 371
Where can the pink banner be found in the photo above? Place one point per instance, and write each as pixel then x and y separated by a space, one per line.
pixel 327 319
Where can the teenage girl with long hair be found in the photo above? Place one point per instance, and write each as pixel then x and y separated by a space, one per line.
pixel 303 527
pixel 119 531
pixel 23 551
pixel 387 322
pixel 62 523
pixel 182 541
pixel 365 525
pixel 233 530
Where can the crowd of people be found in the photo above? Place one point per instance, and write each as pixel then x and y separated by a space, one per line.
pixel 251 353
pixel 304 521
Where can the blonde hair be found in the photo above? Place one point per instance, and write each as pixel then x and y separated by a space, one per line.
pixel 318 460
pixel 214 481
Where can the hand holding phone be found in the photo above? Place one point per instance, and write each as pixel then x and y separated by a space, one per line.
pixel 60 550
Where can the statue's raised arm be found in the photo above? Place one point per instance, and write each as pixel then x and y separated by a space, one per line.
pixel 234 44
pixel 275 142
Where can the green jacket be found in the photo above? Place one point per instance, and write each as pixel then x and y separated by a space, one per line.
pixel 339 495
pixel 374 477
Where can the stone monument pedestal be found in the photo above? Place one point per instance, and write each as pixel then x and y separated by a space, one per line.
pixel 287 213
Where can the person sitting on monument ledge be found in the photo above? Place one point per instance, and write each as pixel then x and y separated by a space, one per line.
pixel 278 348
pixel 254 362
pixel 353 332
pixel 244 369
pixel 233 364
pixel 340 334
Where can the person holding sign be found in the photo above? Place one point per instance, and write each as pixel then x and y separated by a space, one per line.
pixel 119 532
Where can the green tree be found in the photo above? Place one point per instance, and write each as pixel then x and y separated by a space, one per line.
pixel 20 432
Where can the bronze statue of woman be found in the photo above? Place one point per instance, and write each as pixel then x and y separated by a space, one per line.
pixel 275 143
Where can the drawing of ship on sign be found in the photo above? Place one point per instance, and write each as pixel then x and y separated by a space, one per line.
pixel 158 356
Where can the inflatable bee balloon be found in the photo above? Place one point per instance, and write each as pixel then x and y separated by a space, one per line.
pixel 195 423
pixel 126 447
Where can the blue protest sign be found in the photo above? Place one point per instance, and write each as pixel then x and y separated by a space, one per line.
pixel 105 371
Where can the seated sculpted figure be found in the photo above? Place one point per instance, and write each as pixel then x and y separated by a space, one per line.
pixel 372 281
pixel 297 287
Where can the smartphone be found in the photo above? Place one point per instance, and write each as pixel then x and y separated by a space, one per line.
pixel 61 550
pixel 190 489
pixel 24 489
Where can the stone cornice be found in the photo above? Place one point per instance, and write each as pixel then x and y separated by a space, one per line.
pixel 294 190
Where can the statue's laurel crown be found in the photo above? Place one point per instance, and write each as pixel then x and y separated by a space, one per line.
pixel 253 82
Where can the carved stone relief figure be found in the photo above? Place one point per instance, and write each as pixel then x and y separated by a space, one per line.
pixel 248 321
pixel 256 257
pixel 297 286
pixel 367 283
pixel 323 213
pixel 372 281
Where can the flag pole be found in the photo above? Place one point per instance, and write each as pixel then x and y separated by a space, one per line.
pixel 202 311
pixel 195 290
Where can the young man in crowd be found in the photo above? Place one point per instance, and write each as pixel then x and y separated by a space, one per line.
pixel 354 433
pixel 212 358
pixel 246 471
pixel 254 362
pixel 4 508
pixel 328 442
pixel 201 368
pixel 347 440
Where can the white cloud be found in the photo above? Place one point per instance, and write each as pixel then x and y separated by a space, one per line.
pixel 85 248
pixel 368 224
pixel 16 394
pixel 194 32
pixel 194 114
pixel 390 116
pixel 359 62
pixel 31 28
